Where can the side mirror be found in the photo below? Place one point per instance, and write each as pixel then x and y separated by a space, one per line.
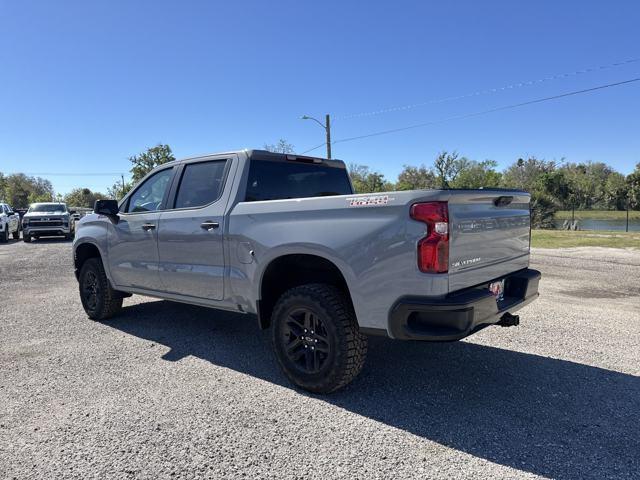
pixel 71 212
pixel 106 207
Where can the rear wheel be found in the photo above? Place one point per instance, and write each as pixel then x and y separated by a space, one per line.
pixel 99 300
pixel 316 338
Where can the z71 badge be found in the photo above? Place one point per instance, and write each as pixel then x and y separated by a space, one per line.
pixel 368 201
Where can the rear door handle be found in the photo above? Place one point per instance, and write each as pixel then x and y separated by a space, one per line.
pixel 209 225
pixel 148 226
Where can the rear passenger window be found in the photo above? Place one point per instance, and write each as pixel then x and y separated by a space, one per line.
pixel 201 184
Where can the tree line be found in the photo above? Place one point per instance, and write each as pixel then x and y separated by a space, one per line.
pixel 553 185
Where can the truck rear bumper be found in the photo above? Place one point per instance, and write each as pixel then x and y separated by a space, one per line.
pixel 461 313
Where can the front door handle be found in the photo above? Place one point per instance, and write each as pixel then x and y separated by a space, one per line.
pixel 209 225
pixel 148 226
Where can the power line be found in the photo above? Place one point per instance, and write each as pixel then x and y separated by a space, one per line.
pixel 489 90
pixel 483 112
pixel 314 148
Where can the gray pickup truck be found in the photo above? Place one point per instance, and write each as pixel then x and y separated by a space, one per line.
pixel 284 238
pixel 47 219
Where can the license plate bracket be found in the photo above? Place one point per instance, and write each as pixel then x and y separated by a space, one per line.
pixel 497 289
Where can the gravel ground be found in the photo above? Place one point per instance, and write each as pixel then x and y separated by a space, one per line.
pixel 173 391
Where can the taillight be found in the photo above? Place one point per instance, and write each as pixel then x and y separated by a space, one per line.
pixel 433 249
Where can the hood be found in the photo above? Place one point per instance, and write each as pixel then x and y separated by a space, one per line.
pixel 52 213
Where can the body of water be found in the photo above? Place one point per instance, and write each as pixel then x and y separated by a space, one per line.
pixel 594 224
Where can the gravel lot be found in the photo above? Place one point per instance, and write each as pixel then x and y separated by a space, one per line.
pixel 172 391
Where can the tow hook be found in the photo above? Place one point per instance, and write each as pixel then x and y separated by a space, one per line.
pixel 508 320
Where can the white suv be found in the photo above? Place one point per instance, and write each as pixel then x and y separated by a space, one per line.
pixel 9 223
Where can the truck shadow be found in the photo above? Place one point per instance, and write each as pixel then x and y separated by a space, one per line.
pixel 546 416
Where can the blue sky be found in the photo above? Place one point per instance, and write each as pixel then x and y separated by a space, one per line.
pixel 86 84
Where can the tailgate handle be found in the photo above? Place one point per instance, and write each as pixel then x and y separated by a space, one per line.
pixel 503 201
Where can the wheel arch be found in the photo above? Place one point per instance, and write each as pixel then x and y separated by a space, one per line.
pixel 293 269
pixel 82 252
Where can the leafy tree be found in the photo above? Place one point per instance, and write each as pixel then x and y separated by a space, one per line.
pixel 633 187
pixel 82 197
pixel 281 147
pixel 366 181
pixel 20 190
pixel 587 183
pixel 447 166
pixel 416 178
pixel 118 190
pixel 536 177
pixel 616 191
pixel 543 211
pixel 144 162
pixel 554 184
pixel 473 174
pixel 524 174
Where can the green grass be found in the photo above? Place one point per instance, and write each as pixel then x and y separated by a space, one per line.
pixel 585 238
pixel 598 215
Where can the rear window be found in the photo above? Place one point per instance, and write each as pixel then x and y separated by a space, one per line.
pixel 276 180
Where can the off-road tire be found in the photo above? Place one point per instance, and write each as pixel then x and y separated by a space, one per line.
pixel 107 301
pixel 347 347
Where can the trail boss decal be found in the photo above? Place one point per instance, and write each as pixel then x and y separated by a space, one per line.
pixel 466 262
pixel 369 201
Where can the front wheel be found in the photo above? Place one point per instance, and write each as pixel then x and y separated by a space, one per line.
pixel 25 237
pixel 4 236
pixel 316 338
pixel 99 300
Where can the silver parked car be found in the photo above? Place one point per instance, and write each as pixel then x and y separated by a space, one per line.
pixel 285 238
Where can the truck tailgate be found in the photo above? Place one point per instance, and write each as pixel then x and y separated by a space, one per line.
pixel 489 235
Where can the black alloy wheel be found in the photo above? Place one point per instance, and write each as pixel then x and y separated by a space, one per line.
pixel 99 300
pixel 306 340
pixel 316 337
pixel 90 290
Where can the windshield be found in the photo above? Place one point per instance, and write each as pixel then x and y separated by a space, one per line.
pixel 48 207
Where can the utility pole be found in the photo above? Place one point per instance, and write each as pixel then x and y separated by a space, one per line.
pixel 327 127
